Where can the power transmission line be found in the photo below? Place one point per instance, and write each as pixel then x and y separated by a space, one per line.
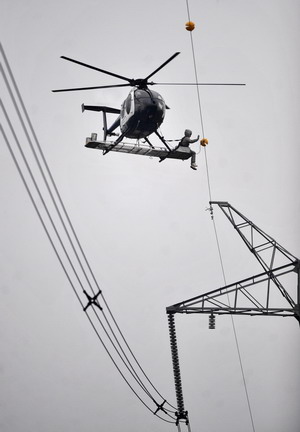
pixel 121 352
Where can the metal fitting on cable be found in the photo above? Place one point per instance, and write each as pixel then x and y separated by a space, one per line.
pixel 211 211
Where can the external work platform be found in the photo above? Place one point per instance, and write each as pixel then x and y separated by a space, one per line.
pixel 138 148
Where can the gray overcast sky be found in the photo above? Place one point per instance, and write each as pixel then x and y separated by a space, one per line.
pixel 142 224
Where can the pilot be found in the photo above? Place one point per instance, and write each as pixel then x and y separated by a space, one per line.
pixel 185 142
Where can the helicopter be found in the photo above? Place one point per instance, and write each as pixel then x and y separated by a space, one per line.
pixel 141 115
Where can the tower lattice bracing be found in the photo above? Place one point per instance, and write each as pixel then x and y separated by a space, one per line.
pixel 274 292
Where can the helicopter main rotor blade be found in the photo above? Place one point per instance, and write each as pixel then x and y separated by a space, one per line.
pixel 161 66
pixel 97 69
pixel 90 88
pixel 198 84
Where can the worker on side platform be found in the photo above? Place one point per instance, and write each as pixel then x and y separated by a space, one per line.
pixel 185 142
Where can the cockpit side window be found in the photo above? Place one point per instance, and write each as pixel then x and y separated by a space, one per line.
pixel 128 103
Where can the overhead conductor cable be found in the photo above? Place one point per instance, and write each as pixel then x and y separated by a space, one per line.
pixel 92 300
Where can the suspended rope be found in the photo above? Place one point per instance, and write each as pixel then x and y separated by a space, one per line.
pixel 190 27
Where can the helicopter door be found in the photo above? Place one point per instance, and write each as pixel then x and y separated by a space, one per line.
pixel 127 111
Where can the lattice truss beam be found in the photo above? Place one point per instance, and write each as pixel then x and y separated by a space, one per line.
pixel 275 292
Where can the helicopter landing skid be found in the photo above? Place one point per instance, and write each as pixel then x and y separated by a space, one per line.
pixel 163 141
pixel 170 151
pixel 114 144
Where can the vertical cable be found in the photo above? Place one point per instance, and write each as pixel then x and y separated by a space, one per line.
pixel 234 330
pixel 199 101
pixel 215 229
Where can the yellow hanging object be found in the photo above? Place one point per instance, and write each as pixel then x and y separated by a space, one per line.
pixel 204 142
pixel 189 26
